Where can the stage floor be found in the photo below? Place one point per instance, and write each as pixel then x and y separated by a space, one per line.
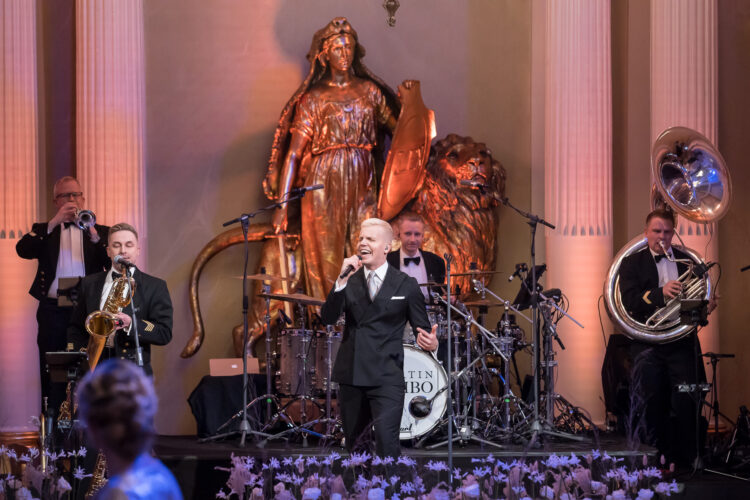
pixel 195 464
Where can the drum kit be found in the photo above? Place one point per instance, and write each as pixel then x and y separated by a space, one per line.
pixel 300 359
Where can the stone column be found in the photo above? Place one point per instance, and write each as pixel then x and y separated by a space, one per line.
pixel 684 46
pixel 19 208
pixel 578 186
pixel 110 110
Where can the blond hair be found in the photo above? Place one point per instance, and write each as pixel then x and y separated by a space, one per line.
pixel 123 226
pixel 373 222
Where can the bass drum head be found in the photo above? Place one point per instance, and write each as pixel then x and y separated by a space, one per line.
pixel 423 376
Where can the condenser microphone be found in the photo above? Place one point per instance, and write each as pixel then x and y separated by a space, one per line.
pixel 119 259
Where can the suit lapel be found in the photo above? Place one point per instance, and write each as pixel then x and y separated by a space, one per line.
pixel 95 296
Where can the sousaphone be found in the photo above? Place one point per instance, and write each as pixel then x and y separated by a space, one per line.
pixel 691 178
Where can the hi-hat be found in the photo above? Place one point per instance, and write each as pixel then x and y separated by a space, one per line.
pixel 264 277
pixel 299 298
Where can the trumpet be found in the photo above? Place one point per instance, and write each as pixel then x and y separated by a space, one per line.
pixel 84 219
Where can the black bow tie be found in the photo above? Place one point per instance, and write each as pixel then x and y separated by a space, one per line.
pixel 412 259
pixel 660 256
pixel 116 275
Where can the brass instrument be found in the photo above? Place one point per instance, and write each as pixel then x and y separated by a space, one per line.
pixel 98 479
pixel 691 178
pixel 84 219
pixel 101 324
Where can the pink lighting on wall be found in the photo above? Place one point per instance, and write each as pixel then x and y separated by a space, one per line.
pixel 578 185
pixel 684 41
pixel 19 366
pixel 110 110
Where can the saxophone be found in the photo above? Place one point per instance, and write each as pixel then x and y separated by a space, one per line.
pixel 101 324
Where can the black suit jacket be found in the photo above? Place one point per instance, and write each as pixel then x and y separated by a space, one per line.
pixel 639 283
pixel 37 244
pixel 433 263
pixel 372 352
pixel 153 310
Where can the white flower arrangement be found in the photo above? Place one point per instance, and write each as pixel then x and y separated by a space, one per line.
pixel 596 475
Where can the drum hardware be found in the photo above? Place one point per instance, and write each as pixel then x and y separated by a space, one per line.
pixel 298 298
pixel 268 397
pixel 264 277
pixel 476 272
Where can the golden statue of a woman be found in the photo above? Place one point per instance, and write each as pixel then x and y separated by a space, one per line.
pixel 330 133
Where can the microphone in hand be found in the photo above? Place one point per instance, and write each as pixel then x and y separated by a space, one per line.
pixel 348 269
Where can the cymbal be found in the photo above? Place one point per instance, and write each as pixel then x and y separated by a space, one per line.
pixel 299 298
pixel 476 272
pixel 264 277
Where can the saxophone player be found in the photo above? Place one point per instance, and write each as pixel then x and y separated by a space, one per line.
pixel 150 298
pixel 665 417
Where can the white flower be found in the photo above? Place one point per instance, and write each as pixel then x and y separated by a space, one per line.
pixel 644 494
pixel 652 472
pixel 359 458
pixel 617 495
pixel 471 490
pixel 436 466
pixel 222 494
pixel 407 487
pixel 407 461
pixel 79 473
pixel 480 472
pixel 547 492
pixel 311 494
pixel 62 486
pixel 23 493
pixel 490 459
pixel 376 494
pixel 393 480
pixel 287 461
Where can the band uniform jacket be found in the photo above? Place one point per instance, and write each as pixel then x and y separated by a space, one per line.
pixel 37 244
pixel 433 264
pixel 372 351
pixel 639 283
pixel 153 311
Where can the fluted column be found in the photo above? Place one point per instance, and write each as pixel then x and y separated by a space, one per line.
pixel 684 46
pixel 578 185
pixel 19 208
pixel 110 110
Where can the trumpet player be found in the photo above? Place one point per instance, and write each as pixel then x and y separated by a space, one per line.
pixel 62 249
pixel 150 298
pixel 665 417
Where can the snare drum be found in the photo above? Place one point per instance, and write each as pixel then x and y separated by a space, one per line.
pixel 425 377
pixel 295 348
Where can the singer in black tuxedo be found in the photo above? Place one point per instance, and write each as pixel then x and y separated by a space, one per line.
pixel 666 418
pixel 370 362
pixel 43 243
pixel 151 299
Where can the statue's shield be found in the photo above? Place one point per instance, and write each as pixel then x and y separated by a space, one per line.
pixel 405 168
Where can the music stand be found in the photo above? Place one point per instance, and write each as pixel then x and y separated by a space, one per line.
pixel 66 366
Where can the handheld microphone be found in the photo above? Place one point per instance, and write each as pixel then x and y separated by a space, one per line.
pixel 305 189
pixel 348 269
pixel 519 268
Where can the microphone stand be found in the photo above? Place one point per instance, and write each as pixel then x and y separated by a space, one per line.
pixel 134 320
pixel 538 427
pixel 449 397
pixel 244 220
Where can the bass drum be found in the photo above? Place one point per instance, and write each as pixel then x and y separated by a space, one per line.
pixel 425 377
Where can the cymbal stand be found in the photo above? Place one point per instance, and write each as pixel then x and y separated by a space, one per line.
pixel 244 220
pixel 466 429
pixel 268 397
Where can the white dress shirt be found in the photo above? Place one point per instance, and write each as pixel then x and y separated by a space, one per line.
pixel 666 268
pixel 416 271
pixel 70 259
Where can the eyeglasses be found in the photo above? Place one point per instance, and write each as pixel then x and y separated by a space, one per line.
pixel 68 195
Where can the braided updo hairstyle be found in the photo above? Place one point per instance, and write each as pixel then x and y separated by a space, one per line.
pixel 118 403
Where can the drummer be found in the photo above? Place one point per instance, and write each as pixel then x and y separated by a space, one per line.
pixel 420 264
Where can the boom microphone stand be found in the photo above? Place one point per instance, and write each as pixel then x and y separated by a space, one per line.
pixel 538 427
pixel 244 220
